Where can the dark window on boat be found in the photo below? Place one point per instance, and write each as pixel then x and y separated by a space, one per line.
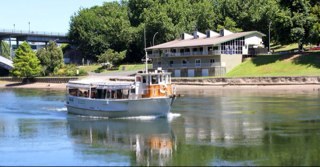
pixel 93 93
pixel 154 79
pixel 144 79
pixel 101 93
pixel 133 91
pixel 73 92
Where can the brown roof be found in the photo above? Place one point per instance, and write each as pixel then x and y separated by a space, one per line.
pixel 203 41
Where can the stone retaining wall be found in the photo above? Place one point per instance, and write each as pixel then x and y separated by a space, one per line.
pixel 40 79
pixel 298 80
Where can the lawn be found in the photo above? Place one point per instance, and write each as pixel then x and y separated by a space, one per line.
pixel 125 67
pixel 307 64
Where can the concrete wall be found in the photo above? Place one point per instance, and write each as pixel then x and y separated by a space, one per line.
pixel 231 61
pixel 253 39
pixel 285 80
pixel 40 79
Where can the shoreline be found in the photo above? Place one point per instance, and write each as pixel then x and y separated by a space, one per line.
pixel 62 86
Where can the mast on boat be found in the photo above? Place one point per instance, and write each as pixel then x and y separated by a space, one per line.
pixel 145 50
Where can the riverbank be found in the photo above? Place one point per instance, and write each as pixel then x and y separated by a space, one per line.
pixel 62 86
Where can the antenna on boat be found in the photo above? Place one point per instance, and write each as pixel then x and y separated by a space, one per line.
pixel 145 50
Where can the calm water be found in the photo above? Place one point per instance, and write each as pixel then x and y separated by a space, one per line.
pixel 217 127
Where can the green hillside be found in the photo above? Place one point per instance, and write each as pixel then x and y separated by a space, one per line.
pixel 306 64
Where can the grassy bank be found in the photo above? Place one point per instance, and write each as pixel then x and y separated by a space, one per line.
pixel 126 67
pixel 306 64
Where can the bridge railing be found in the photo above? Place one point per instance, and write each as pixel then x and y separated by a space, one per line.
pixel 13 31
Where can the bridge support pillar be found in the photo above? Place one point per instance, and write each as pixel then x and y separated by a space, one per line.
pixel 10 47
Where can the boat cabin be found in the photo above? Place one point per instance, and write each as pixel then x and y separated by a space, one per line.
pixel 101 90
pixel 153 84
pixel 146 85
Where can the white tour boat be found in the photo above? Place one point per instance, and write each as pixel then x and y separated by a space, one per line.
pixel 150 94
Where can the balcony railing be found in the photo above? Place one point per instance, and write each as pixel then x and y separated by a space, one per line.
pixel 177 54
pixel 191 65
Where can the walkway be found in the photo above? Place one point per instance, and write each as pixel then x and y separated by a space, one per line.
pixel 5 63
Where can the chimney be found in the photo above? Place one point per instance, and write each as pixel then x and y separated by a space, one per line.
pixel 197 34
pixel 211 33
pixel 224 32
pixel 186 36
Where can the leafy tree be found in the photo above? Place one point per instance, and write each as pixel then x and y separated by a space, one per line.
pixel 25 62
pixel 100 28
pixel 111 56
pixel 315 30
pixel 5 50
pixel 229 24
pixel 299 21
pixel 51 58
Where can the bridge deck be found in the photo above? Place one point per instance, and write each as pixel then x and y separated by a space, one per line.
pixel 34 36
pixel 6 63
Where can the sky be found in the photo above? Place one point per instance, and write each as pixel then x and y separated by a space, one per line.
pixel 43 15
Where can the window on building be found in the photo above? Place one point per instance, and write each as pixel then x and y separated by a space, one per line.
pixel 198 63
pixel 233 46
pixel 184 63
pixel 212 60
pixel 171 63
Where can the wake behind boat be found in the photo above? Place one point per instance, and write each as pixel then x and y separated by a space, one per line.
pixel 151 94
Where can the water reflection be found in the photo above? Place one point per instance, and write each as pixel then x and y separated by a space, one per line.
pixel 149 142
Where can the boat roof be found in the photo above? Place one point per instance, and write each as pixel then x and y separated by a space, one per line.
pixel 101 85
pixel 154 73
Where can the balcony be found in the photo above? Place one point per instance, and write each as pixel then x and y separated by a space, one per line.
pixel 186 54
pixel 191 65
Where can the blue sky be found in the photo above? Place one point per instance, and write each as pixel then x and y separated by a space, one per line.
pixel 43 15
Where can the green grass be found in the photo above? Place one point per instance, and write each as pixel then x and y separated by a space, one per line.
pixel 90 68
pixel 290 47
pixel 133 67
pixel 281 48
pixel 307 64
pixel 126 67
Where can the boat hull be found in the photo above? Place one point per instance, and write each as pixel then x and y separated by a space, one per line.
pixel 119 108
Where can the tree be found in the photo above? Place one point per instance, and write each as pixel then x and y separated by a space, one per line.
pixel 100 28
pixel 26 64
pixel 315 30
pixel 111 56
pixel 5 50
pixel 298 21
pixel 51 58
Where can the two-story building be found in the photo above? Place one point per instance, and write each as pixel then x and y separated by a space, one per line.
pixel 210 54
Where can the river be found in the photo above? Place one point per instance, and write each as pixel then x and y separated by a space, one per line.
pixel 205 127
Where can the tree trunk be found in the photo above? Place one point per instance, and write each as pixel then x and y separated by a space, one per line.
pixel 300 46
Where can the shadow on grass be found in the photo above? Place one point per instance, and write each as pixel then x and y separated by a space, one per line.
pixel 102 69
pixel 305 58
pixel 309 59
pixel 265 59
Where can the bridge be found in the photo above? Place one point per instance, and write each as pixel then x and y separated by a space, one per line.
pixel 5 63
pixel 33 36
pixel 5 66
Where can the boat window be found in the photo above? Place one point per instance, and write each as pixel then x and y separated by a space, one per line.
pixel 93 93
pixel 154 79
pixel 138 79
pixel 101 93
pixel 125 93
pixel 133 91
pixel 79 92
pixel 73 92
pixel 144 79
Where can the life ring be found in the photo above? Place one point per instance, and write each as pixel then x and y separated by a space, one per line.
pixel 163 89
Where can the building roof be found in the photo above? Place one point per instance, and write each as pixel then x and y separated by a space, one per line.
pixel 179 43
